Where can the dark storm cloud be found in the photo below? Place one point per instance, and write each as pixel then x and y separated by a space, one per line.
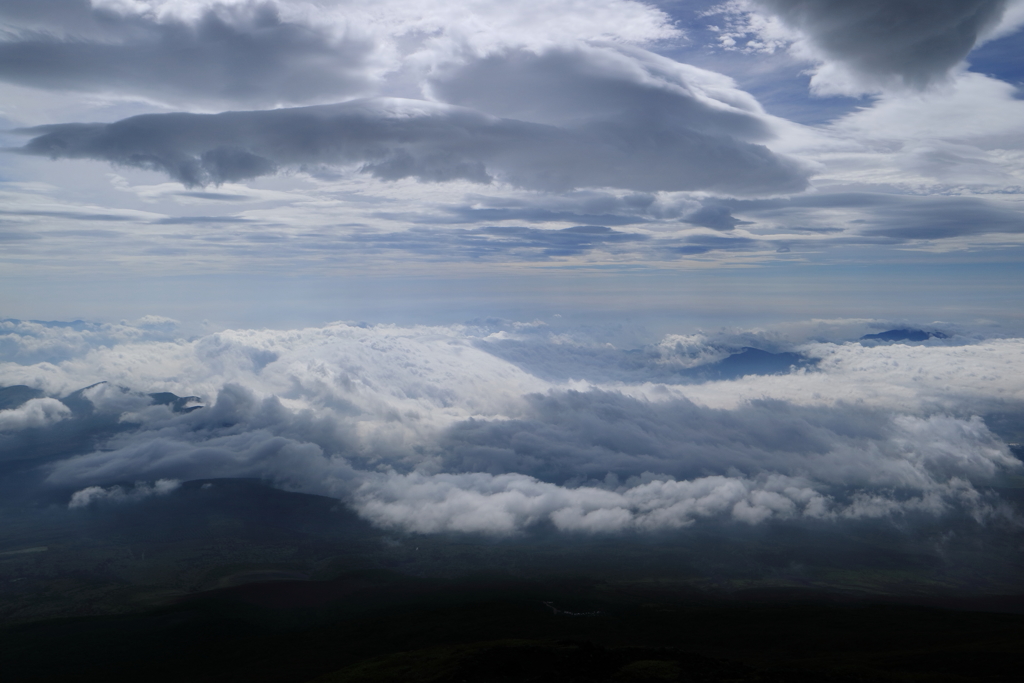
pixel 394 139
pixel 914 41
pixel 243 53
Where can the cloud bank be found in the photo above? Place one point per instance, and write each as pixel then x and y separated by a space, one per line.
pixel 425 430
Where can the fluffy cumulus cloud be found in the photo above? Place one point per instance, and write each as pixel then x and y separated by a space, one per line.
pixel 36 412
pixel 431 429
pixel 506 503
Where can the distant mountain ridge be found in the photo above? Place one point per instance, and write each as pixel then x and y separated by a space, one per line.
pixel 904 334
pixel 17 395
pixel 82 431
pixel 750 361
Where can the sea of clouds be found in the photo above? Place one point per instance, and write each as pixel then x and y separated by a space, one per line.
pixel 497 427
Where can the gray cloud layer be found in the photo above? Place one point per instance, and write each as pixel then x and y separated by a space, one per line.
pixel 892 217
pixel 231 53
pixel 583 436
pixel 593 461
pixel 395 139
pixel 915 42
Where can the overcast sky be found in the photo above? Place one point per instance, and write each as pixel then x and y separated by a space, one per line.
pixel 552 214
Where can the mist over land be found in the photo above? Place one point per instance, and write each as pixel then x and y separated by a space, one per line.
pixel 545 340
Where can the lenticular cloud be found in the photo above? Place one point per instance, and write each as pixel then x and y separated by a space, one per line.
pixel 440 429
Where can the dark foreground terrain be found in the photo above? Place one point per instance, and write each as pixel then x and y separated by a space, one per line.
pixel 385 627
pixel 230 580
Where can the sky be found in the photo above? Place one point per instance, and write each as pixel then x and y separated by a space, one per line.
pixel 423 162
pixel 476 266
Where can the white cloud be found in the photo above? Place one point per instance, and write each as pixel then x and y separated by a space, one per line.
pixel 394 383
pixel 506 504
pixel 36 412
pixel 509 503
pixel 27 342
pixel 421 429
pixel 898 377
pixel 484 24
pixel 972 108
pixel 117 494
